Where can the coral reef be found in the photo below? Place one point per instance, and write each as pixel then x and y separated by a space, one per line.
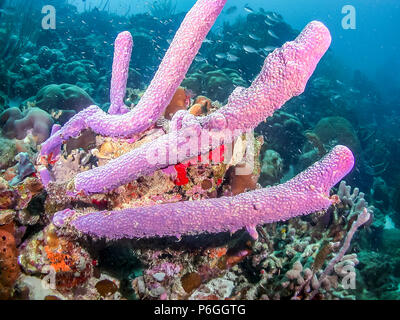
pixel 213 83
pixel 289 260
pixel 272 168
pixel 191 203
pixel 8 151
pixel 307 49
pixel 3 101
pixel 337 130
pixel 283 133
pixel 45 253
pixel 312 42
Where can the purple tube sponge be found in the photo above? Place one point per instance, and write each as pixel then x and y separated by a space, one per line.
pixel 285 74
pixel 168 77
pixel 306 193
pixel 120 70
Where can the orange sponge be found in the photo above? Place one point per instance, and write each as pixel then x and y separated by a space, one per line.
pixel 9 268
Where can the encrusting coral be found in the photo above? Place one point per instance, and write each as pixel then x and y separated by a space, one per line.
pixel 70 263
pixel 285 74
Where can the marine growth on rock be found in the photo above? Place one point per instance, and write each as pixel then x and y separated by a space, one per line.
pixel 285 74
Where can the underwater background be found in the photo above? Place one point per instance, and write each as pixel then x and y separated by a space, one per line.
pixel 48 75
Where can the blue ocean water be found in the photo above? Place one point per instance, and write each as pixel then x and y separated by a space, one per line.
pixel 372 47
pixel 56 58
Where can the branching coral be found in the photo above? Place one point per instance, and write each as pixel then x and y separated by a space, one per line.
pixel 301 260
pixel 338 261
pixel 285 74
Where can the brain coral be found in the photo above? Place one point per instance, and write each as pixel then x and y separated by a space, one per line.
pixel 338 129
pixel 63 96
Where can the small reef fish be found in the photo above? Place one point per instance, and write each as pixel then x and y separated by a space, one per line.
pixel 269 48
pixel 254 37
pixel 221 55
pixel 272 34
pixel 249 49
pixel 208 41
pixel 272 18
pixel 276 16
pixel 234 46
pixel 248 9
pixel 231 57
pixel 269 24
pixel 354 91
pixel 200 59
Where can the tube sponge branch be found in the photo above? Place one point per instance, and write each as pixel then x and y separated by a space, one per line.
pixel 306 193
pixel 120 70
pixel 285 74
pixel 151 106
